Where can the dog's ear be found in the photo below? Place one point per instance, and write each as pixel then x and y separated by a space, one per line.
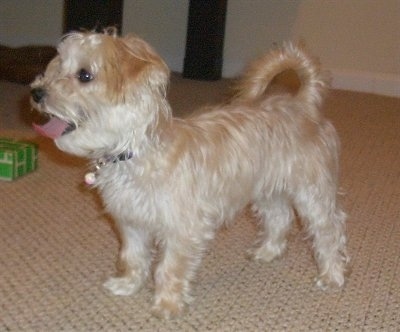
pixel 128 66
pixel 140 49
pixel 143 56
pixel 146 78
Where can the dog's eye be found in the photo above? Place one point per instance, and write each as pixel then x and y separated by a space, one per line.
pixel 84 76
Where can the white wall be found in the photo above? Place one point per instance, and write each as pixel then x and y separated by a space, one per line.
pixel 358 40
pixel 24 22
pixel 162 23
pixel 253 27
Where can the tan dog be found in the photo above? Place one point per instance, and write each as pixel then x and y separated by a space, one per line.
pixel 171 182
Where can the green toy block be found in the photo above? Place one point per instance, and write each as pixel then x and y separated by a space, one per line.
pixel 17 158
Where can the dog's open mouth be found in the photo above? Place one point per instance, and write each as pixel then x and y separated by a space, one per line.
pixel 54 128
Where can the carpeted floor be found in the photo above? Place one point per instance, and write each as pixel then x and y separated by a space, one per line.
pixel 57 247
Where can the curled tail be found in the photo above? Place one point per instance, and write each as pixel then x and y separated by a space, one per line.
pixel 257 78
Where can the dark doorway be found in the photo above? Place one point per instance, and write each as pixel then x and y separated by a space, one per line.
pixel 205 39
pixel 92 14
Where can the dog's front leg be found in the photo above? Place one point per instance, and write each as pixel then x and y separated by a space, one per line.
pixel 179 261
pixel 134 261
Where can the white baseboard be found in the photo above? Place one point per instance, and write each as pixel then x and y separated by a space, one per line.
pixel 382 84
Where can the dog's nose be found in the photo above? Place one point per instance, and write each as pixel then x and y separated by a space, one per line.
pixel 38 94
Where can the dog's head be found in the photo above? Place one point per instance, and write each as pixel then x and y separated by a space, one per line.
pixel 104 94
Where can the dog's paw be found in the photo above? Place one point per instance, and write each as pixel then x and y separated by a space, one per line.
pixel 266 253
pixel 335 277
pixel 330 282
pixel 123 286
pixel 165 309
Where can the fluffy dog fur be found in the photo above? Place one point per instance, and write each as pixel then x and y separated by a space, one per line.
pixel 179 180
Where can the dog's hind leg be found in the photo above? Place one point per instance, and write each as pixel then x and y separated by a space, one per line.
pixel 326 224
pixel 276 216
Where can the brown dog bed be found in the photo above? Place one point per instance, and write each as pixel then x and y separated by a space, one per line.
pixel 22 64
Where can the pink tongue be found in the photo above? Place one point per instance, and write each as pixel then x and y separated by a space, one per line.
pixel 52 129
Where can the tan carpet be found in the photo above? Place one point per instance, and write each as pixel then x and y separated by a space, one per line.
pixel 57 247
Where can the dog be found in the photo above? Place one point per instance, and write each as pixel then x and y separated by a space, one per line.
pixel 170 183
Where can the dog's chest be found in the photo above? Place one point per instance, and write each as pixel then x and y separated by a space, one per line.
pixel 130 195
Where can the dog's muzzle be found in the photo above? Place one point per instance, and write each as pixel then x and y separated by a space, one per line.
pixel 54 127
